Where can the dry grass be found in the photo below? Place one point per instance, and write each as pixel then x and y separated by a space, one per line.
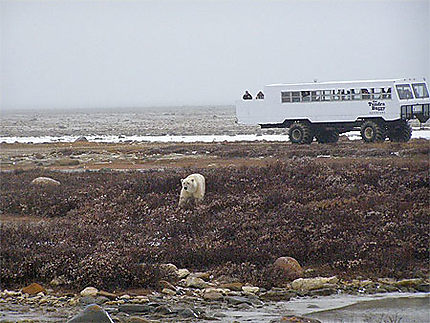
pixel 362 215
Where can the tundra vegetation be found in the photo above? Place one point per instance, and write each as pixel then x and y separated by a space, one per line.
pixel 364 213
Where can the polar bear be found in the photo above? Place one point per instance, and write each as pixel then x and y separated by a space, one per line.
pixel 193 187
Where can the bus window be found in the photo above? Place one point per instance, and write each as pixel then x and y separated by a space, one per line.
pixel 345 95
pixel 295 96
pixel 355 94
pixel 365 94
pixel 306 96
pixel 285 97
pixel 326 95
pixel 336 95
pixel 420 90
pixel 376 93
pixel 315 95
pixel 404 91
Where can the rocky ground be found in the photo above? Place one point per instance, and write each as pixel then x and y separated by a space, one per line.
pixel 148 121
pixel 196 297
pixel 81 156
pixel 160 121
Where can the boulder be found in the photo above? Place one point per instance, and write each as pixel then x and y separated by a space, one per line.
pixel 182 273
pixel 57 281
pixel 169 268
pixel 168 291
pixel 45 181
pixel 163 310
pixel 203 275
pixel 236 300
pixel 92 313
pixel 277 295
pixel 188 313
pixel 33 289
pixel 295 319
pixel 87 300
pixel 136 319
pixel 232 286
pixel 289 266
pixel 195 282
pixel 251 289
pixel 425 287
pixel 212 295
pixel 134 308
pixel 89 291
pixel 166 284
pixel 106 294
pixel 414 282
pixel 306 284
pixel 323 291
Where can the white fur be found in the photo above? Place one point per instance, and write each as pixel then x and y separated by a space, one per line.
pixel 193 187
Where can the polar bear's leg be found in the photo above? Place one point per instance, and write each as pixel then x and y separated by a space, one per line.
pixel 182 201
pixel 198 200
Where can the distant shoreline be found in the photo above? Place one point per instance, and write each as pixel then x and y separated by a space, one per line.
pixel 11 111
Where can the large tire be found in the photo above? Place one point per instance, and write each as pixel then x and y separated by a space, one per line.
pixel 300 133
pixel 400 131
pixel 372 131
pixel 327 136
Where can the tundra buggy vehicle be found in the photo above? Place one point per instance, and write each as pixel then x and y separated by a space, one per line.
pixel 378 108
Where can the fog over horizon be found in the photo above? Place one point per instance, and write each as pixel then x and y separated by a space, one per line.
pixel 130 54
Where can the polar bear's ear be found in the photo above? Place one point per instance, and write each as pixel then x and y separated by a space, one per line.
pixel 182 181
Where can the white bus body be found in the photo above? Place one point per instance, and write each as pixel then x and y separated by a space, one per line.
pixel 339 107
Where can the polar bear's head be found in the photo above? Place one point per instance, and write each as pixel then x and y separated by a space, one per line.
pixel 189 184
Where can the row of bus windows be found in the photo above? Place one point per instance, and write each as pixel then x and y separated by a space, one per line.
pixel 420 91
pixel 336 95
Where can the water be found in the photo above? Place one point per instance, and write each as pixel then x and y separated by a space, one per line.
pixel 378 308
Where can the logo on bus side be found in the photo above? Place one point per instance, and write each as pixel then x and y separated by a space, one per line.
pixel 376 105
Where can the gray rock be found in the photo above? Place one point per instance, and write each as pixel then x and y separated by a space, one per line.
pixel 188 313
pixel 163 310
pixel 45 181
pixel 135 319
pixel 182 273
pixel 236 300
pixel 195 282
pixel 87 300
pixel 89 291
pixel 390 288
pixel 313 283
pixel 323 292
pixel 409 282
pixel 295 319
pixel 244 306
pixel 423 288
pixel 135 308
pixel 92 313
pixel 277 295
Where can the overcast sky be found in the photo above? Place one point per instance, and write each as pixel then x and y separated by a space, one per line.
pixel 67 54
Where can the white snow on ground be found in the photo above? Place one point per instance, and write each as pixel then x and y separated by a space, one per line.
pixel 353 135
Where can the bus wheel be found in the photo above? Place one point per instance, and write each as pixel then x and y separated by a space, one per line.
pixel 300 133
pixel 400 132
pixel 327 136
pixel 372 131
